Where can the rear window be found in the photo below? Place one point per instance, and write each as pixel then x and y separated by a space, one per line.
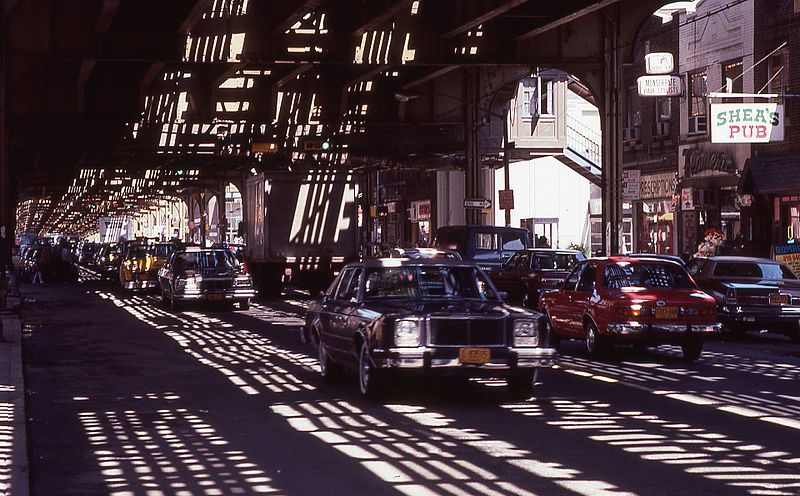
pixel 556 261
pixel 762 270
pixel 646 275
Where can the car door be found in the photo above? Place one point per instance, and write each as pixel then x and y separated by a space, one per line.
pixel 580 298
pixel 560 307
pixel 338 336
pixel 507 278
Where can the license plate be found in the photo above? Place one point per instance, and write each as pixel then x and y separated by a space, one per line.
pixel 474 356
pixel 778 299
pixel 667 313
pixel 216 297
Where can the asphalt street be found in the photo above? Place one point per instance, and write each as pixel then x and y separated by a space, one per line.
pixel 127 397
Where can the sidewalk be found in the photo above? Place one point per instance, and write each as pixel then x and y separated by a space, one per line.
pixel 13 439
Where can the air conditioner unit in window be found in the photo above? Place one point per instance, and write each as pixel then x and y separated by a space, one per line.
pixel 661 128
pixel 697 124
pixel 631 134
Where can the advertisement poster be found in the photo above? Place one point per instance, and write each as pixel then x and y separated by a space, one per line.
pixel 788 254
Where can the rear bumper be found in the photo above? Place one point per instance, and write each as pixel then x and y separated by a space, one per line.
pixel 231 295
pixel 140 284
pixel 784 317
pixel 664 333
pixel 501 360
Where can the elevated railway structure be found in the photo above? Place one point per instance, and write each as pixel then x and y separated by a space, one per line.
pixel 108 105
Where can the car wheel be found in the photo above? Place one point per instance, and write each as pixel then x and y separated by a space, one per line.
pixel 330 370
pixel 370 379
pixel 692 350
pixel 244 304
pixel 522 383
pixel 595 344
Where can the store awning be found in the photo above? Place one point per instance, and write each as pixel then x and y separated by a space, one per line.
pixel 771 175
pixel 708 182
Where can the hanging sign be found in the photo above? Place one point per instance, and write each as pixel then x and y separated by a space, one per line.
pixel 659 86
pixel 746 122
pixel 659 63
pixel 631 184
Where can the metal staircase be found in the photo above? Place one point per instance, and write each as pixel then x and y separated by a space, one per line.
pixel 583 152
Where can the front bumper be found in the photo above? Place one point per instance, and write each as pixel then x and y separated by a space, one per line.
pixel 227 295
pixel 501 359
pixel 666 333
pixel 140 284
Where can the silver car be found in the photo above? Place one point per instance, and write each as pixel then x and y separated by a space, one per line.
pixel 205 274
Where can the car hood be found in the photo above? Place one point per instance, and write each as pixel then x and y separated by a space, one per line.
pixel 447 307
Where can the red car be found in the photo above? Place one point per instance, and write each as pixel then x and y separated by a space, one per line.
pixel 636 301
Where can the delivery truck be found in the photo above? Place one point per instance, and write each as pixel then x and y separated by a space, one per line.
pixel 300 228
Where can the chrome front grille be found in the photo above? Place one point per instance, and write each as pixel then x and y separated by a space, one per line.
pixel 466 331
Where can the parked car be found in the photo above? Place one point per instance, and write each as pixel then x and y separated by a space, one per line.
pixel 87 253
pixel 488 246
pixel 435 253
pixel 140 265
pixel 109 257
pixel 205 274
pixel 751 293
pixel 431 316
pixel 634 301
pixel 531 272
pixel 673 258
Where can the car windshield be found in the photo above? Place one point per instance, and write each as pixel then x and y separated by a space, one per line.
pixel 646 275
pixel 427 281
pixel 138 252
pixel 211 259
pixel 556 261
pixel 161 251
pixel 761 270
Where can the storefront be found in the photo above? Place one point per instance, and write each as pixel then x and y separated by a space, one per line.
pixel 709 199
pixel 654 213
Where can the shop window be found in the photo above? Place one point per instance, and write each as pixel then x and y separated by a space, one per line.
pixel 732 77
pixel 777 72
pixel 793 232
pixel 697 102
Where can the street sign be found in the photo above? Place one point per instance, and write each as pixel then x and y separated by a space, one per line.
pixel 631 184
pixel 506 199
pixel 477 203
pixel 659 86
pixel 659 63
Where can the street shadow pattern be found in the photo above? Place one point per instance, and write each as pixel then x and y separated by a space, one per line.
pixel 161 448
pixel 416 450
pixel 9 437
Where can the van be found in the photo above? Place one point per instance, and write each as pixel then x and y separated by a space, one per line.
pixel 489 246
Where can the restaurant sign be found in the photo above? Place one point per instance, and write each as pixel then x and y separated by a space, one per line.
pixel 746 122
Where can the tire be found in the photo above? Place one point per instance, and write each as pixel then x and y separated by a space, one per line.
pixel 370 379
pixel 244 304
pixel 595 344
pixel 331 371
pixel 692 350
pixel 522 383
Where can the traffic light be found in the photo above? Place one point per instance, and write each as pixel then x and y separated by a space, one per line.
pixel 316 145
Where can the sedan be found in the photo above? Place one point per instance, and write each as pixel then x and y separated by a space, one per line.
pixel 529 273
pixel 204 274
pixel 751 293
pixel 633 301
pixel 428 316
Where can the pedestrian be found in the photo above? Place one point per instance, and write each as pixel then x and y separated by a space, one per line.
pixel 37 272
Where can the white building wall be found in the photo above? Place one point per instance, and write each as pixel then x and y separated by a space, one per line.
pixel 450 198
pixel 545 187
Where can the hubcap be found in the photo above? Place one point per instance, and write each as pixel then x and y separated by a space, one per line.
pixel 591 339
pixel 322 358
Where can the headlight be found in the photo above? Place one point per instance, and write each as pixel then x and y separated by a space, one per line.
pixel 526 333
pixel 406 333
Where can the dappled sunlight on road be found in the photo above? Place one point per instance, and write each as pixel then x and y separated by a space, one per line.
pixel 248 360
pixel 430 460
pixel 698 450
pixel 8 437
pixel 162 448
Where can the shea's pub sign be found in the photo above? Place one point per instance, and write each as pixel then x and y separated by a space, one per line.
pixel 746 122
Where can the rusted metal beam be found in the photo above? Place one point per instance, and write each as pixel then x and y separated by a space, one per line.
pixel 567 19
pixel 106 17
pixel 382 17
pixel 501 8
pixel 297 14
pixel 195 15
pixel 430 76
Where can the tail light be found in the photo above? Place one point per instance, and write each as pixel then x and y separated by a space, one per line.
pixel 730 296
pixel 631 311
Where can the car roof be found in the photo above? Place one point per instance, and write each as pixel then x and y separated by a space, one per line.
pixel 631 259
pixel 197 249
pixel 552 250
pixel 410 262
pixel 730 258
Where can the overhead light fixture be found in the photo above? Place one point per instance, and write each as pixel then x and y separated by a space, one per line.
pixel 404 97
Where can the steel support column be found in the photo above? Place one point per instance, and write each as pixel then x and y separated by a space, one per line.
pixel 473 178
pixel 222 213
pixel 7 192
pixel 612 132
